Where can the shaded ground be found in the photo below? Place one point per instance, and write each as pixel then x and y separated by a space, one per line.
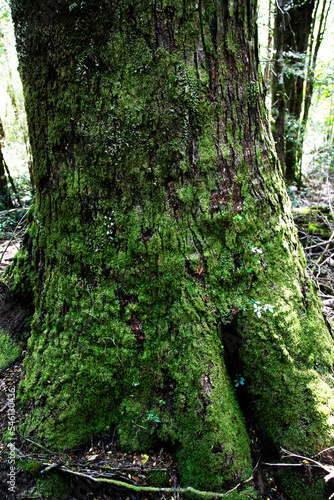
pixel 8 249
pixel 100 458
pixel 313 209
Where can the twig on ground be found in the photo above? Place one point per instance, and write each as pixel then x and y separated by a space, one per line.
pixel 13 235
pixel 40 446
pixel 322 243
pixel 305 461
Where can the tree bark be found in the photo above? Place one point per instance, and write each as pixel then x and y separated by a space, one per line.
pixel 162 233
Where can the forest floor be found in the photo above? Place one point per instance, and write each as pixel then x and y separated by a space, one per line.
pixel 313 211
pixel 41 474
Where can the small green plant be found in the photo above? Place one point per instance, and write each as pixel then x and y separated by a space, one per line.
pixel 239 380
pixel 9 351
pixel 7 437
pixel 151 416
pixel 258 309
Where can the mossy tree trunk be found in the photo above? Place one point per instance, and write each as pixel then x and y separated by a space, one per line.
pixel 293 23
pixel 160 218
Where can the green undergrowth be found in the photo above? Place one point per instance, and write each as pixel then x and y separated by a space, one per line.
pixel 9 221
pixel 12 221
pixel 314 221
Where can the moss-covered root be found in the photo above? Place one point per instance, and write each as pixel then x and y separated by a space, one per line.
pixel 206 422
pixel 166 383
pixel 287 352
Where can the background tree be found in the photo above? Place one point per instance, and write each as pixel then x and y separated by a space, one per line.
pixel 293 23
pixel 315 42
pixel 5 199
pixel 162 236
pixel 15 140
pixel 295 56
pixel 267 68
pixel 319 142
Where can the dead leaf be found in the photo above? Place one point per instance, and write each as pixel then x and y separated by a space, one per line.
pixel 143 459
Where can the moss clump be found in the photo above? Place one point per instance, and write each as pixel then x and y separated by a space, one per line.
pixel 308 484
pixel 32 466
pixel 9 351
pixel 53 486
pixel 159 479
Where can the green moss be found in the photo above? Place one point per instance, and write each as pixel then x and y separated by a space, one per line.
pixel 53 486
pixel 159 479
pixel 9 351
pixel 32 466
pixel 306 485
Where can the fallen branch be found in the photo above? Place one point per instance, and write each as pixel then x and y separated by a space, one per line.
pixel 328 303
pixel 306 461
pixel 149 489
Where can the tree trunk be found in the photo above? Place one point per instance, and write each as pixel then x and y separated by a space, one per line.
pixel 267 69
pixel 311 65
pixel 293 24
pixel 162 234
pixel 5 199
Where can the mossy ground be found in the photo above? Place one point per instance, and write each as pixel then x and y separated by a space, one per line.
pixel 307 485
pixel 50 485
pixel 160 220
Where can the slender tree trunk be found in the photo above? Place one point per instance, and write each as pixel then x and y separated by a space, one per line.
pixel 278 106
pixel 163 260
pixel 267 69
pixel 5 199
